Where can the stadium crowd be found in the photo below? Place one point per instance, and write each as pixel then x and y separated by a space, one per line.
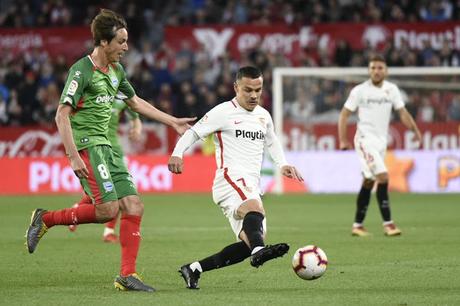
pixel 188 83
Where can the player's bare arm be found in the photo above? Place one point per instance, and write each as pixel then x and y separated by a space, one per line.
pixel 65 130
pixel 344 144
pixel 409 122
pixel 142 107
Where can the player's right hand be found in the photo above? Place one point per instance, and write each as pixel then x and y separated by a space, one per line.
pixel 79 167
pixel 175 164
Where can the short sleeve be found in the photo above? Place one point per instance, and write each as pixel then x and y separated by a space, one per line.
pixel 74 87
pixel 211 122
pixel 270 131
pixel 353 99
pixel 397 98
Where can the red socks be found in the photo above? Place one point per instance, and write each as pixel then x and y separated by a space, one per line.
pixel 85 200
pixel 130 239
pixel 75 215
pixel 111 224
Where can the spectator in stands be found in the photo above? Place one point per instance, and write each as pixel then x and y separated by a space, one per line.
pixel 454 109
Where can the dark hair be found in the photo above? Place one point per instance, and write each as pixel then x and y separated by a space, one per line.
pixel 248 72
pixel 377 58
pixel 105 25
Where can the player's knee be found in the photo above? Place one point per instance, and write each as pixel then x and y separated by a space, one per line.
pixel 107 211
pixel 382 178
pixel 132 205
pixel 251 206
pixel 368 183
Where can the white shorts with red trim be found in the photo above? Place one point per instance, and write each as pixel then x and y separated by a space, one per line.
pixel 371 153
pixel 230 190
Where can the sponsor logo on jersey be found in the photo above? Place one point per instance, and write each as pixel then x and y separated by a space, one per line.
pixel 72 88
pixel 238 121
pixel 77 74
pixel 378 100
pixel 253 135
pixel 108 186
pixel 104 99
pixel 84 140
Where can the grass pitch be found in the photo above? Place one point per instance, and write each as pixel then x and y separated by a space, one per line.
pixel 422 267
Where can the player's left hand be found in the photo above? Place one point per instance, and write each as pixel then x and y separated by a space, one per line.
pixel 183 124
pixel 291 172
pixel 135 134
pixel 418 137
pixel 175 164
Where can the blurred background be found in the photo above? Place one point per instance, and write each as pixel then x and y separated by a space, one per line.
pixel 183 56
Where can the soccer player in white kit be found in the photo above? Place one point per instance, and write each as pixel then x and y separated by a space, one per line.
pixel 374 100
pixel 242 129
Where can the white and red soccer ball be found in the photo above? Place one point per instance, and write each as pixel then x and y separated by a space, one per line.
pixel 309 262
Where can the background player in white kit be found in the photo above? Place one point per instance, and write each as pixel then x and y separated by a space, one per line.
pixel 374 100
pixel 241 128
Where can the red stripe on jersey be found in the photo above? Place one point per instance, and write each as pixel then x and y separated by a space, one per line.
pixel 221 145
pixel 238 189
pixel 367 156
pixel 80 103
pixel 96 194
pixel 79 106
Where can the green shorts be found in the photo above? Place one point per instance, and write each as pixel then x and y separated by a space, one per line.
pixel 108 179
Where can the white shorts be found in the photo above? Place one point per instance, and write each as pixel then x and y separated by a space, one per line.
pixel 371 154
pixel 229 191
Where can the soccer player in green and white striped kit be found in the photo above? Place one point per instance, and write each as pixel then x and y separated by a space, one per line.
pixel 118 109
pixel 82 119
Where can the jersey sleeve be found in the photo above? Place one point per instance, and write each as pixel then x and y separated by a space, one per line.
pixel 273 145
pixel 74 86
pixel 211 122
pixel 125 87
pixel 353 99
pixel 397 98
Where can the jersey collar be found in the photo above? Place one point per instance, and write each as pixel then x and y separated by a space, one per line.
pixel 96 67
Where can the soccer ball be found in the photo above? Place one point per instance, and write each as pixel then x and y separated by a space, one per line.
pixel 309 262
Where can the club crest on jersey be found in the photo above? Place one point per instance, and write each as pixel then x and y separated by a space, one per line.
pixel 114 81
pixel 262 121
pixel 204 119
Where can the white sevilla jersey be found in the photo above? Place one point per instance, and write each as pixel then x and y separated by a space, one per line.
pixel 239 136
pixel 374 105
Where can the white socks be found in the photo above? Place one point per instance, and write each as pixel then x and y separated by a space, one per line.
pixel 108 231
pixel 196 266
pixel 256 249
